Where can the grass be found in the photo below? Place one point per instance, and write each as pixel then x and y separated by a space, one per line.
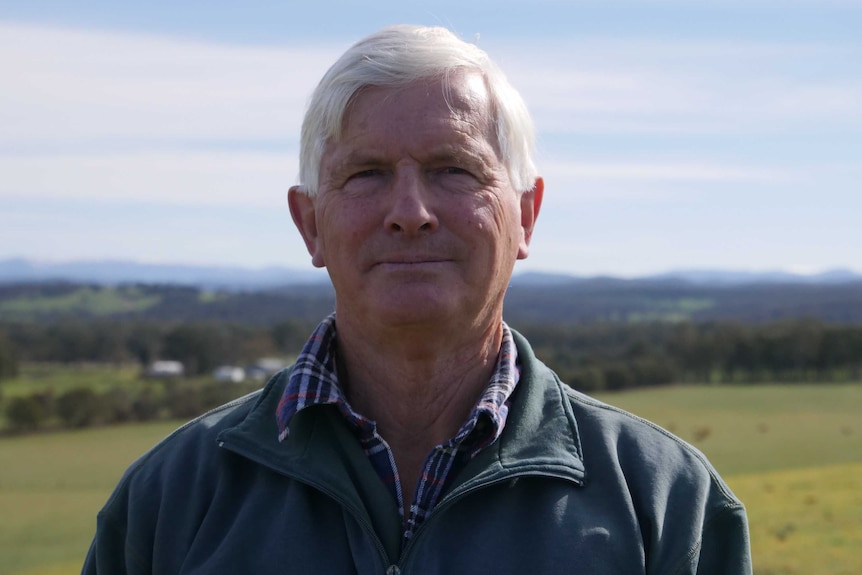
pixel 758 428
pixel 804 521
pixel 60 378
pixel 51 486
pixel 793 454
pixel 87 300
pixel 672 310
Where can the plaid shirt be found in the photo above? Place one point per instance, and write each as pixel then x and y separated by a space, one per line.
pixel 314 381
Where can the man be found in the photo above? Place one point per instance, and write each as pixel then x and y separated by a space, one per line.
pixel 416 432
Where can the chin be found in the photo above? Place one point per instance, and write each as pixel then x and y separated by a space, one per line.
pixel 425 312
pixel 422 310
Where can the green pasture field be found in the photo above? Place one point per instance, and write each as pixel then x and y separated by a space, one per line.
pixel 52 485
pixel 60 378
pixel 757 428
pixel 804 521
pixel 88 300
pixel 793 454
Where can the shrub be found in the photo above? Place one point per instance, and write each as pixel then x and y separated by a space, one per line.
pixel 117 406
pixel 184 402
pixel 8 361
pixel 25 413
pixel 216 394
pixel 146 406
pixel 585 379
pixel 618 377
pixel 79 407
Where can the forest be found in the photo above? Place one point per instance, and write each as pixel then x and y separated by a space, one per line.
pixel 606 335
pixel 599 334
pixel 590 356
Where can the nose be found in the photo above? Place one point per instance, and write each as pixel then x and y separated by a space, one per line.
pixel 410 211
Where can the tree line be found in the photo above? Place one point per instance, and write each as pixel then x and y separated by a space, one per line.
pixel 82 407
pixel 589 357
pixel 560 303
pixel 615 356
pixel 605 355
pixel 201 346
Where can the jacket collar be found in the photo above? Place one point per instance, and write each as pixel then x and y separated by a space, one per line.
pixel 541 437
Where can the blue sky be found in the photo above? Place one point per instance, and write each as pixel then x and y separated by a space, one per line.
pixel 672 134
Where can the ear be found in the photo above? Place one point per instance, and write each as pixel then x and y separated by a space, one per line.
pixel 304 217
pixel 531 203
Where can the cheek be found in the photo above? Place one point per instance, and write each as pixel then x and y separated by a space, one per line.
pixel 489 222
pixel 345 228
pixel 501 220
pixel 490 239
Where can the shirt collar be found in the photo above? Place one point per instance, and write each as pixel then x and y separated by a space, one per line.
pixel 313 380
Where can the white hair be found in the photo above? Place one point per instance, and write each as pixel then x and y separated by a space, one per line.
pixel 395 57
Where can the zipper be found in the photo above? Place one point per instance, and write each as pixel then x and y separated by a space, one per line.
pixel 361 518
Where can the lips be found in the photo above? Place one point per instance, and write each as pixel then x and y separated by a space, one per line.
pixel 408 255
pixel 412 261
pixel 412 266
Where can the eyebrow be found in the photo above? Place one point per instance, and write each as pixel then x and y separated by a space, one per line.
pixel 439 154
pixel 361 158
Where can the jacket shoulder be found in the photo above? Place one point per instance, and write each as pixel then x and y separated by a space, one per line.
pixel 639 444
pixel 191 450
pixel 171 485
pixel 686 512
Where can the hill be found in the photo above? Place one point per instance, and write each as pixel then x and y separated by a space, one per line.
pixel 678 300
pixel 124 272
pixel 238 278
pixel 559 303
pixel 34 292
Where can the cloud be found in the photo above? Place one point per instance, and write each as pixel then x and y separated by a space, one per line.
pixel 262 178
pixel 71 87
pixel 652 172
pixel 571 184
pixel 81 86
pixel 112 125
pixel 631 86
pixel 179 178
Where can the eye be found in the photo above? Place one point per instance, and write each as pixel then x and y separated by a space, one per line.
pixel 454 171
pixel 364 180
pixel 367 173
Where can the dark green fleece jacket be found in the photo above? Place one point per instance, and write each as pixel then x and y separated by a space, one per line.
pixel 572 486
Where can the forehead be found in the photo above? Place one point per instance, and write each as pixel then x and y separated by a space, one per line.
pixel 461 105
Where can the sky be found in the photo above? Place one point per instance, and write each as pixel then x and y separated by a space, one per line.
pixel 671 134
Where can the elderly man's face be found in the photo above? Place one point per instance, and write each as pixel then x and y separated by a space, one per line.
pixel 416 219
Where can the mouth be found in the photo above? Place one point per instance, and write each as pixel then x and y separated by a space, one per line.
pixel 412 261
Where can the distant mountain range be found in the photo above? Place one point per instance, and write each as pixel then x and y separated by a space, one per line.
pixel 124 272
pixel 715 278
pixel 239 278
pixel 127 291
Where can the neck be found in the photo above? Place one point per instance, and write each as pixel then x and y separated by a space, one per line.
pixel 418 385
